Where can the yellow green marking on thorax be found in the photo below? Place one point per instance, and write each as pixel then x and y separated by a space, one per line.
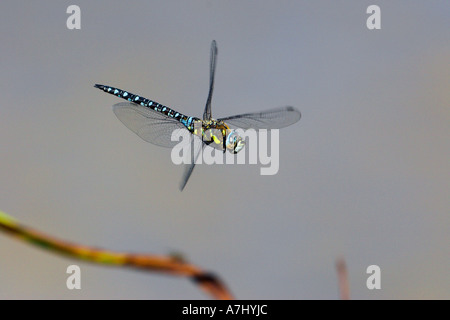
pixel 211 130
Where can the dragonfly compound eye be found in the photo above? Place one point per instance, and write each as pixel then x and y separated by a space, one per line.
pixel 234 142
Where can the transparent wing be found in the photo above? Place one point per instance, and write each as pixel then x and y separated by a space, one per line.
pixel 270 119
pixel 150 125
pixel 212 69
pixel 196 146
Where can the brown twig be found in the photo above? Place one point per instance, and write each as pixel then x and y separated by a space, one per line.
pixel 172 265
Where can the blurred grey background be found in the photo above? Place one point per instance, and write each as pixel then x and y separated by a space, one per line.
pixel 364 175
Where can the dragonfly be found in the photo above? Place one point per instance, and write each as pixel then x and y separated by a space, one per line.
pixel 155 123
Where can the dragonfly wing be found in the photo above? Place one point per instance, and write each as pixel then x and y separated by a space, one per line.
pixel 212 69
pixel 196 146
pixel 270 119
pixel 150 125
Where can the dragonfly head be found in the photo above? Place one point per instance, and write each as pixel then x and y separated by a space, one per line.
pixel 234 142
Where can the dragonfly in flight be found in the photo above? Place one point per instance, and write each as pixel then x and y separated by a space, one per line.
pixel 154 122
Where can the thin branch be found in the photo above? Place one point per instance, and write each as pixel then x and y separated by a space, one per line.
pixel 172 265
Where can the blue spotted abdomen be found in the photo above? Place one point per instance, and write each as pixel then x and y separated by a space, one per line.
pixel 187 121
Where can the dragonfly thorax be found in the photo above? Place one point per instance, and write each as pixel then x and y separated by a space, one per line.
pixel 218 134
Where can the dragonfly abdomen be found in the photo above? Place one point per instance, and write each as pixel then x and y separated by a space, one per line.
pixel 188 122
